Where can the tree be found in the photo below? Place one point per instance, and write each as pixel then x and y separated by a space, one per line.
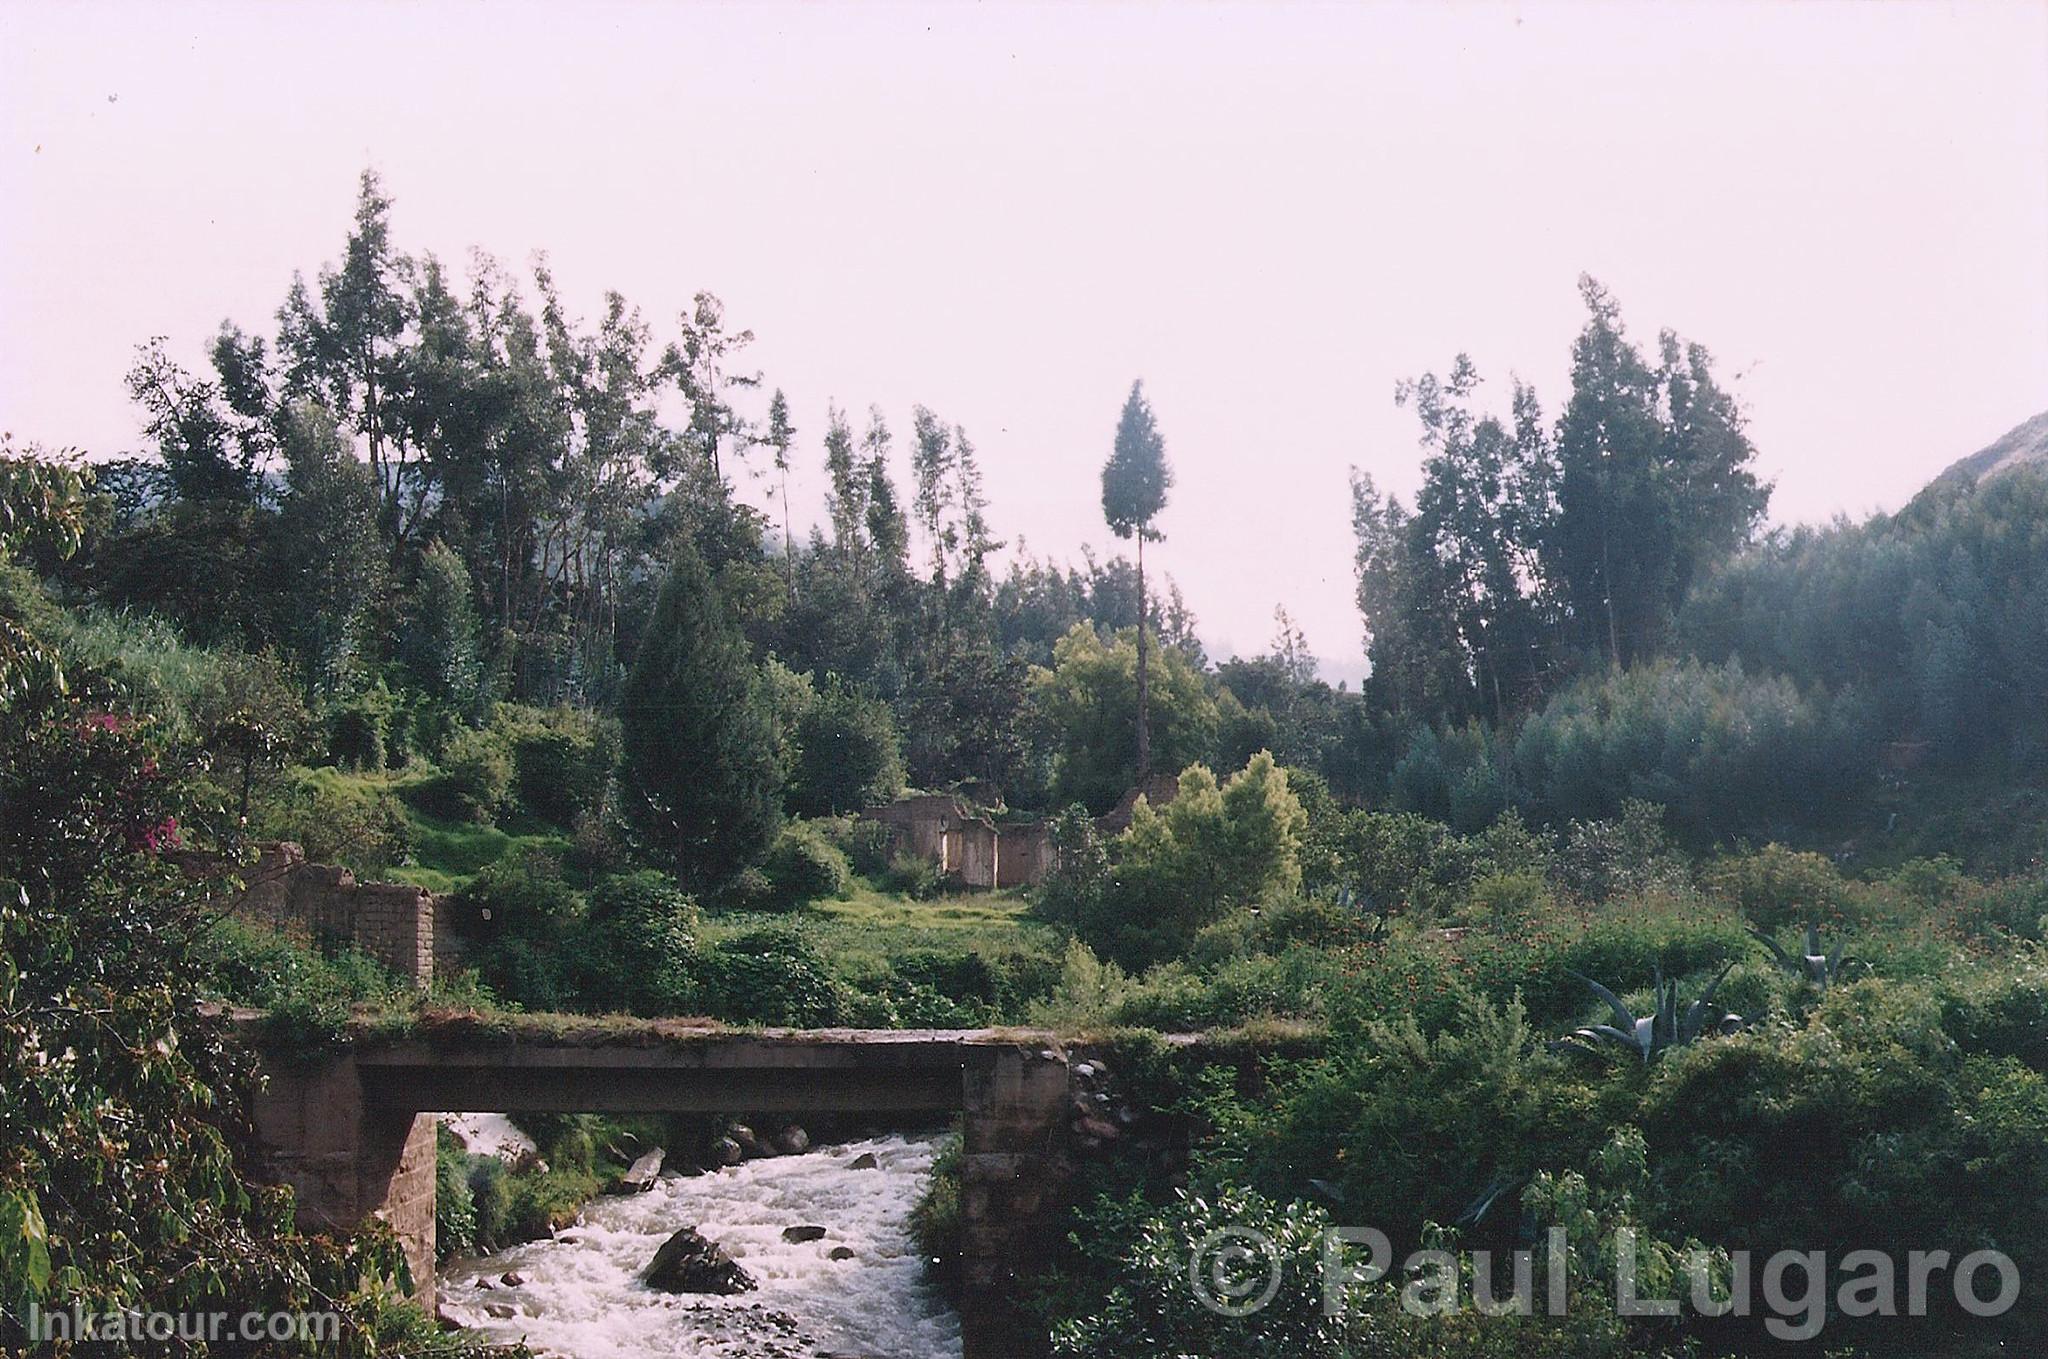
pixel 931 465
pixel 703 777
pixel 1088 700
pixel 1135 481
pixel 327 550
pixel 1654 482
pixel 440 642
pixel 847 754
pixel 781 434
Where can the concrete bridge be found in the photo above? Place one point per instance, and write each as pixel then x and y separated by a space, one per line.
pixel 354 1133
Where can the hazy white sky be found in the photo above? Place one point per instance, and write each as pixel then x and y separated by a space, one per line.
pixel 1270 213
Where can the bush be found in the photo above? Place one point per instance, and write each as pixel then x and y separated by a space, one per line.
pixel 773 975
pixel 475 782
pixel 868 846
pixel 490 1195
pixel 1726 752
pixel 308 994
pixel 802 866
pixel 1777 887
pixel 636 950
pixel 562 758
pixel 1210 851
pixel 935 1219
pixel 455 1226
pixel 2017 907
pixel 519 917
pixel 355 735
pixel 336 821
pixel 847 753
pixel 1073 889
pixel 912 876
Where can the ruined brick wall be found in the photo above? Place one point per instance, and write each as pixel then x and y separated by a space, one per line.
pixel 392 922
pixel 973 853
pixel 1024 856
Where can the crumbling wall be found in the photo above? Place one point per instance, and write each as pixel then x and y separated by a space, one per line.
pixel 971 850
pixel 392 922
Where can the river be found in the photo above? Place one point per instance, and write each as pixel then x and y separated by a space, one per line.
pixel 581 1295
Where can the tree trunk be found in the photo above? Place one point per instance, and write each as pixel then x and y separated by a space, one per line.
pixel 1144 674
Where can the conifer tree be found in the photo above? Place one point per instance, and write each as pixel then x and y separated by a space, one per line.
pixel 1135 481
pixel 703 779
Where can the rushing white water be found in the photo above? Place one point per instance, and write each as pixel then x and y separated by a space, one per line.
pixel 582 1297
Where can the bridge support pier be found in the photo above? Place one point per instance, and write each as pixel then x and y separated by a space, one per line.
pixel 1015 1172
pixel 348 1160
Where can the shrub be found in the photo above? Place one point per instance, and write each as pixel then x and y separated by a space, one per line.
pixel 1210 851
pixel 935 1219
pixel 1073 889
pixel 364 829
pixel 1150 1307
pixel 490 1195
pixel 308 994
pixel 595 848
pixel 519 916
pixel 772 975
pixel 635 950
pixel 355 735
pixel 912 876
pixel 868 846
pixel 1089 992
pixel 847 754
pixel 1777 887
pixel 454 1204
pixel 1726 752
pixel 475 782
pixel 802 866
pixel 2016 906
pixel 563 760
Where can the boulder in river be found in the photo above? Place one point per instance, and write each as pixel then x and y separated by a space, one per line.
pixel 689 1263
pixel 749 1141
pixel 796 1236
pixel 640 1176
pixel 726 1152
pixel 792 1141
pixel 840 1253
pixel 865 1161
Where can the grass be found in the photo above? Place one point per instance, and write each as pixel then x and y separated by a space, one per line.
pixel 869 925
pixel 446 854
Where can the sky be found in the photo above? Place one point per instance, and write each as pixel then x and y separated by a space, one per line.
pixel 1270 213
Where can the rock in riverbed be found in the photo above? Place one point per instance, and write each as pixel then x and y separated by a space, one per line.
pixel 689 1263
pixel 796 1236
pixel 640 1176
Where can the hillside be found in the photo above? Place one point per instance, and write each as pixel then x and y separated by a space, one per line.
pixel 2025 443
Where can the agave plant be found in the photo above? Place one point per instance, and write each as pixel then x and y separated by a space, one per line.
pixel 1664 1028
pixel 1814 965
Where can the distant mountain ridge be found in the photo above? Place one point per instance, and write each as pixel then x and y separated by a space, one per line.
pixel 2024 444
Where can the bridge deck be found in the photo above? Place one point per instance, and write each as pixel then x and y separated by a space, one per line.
pixel 702 1071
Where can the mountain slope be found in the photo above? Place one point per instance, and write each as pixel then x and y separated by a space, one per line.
pixel 2024 444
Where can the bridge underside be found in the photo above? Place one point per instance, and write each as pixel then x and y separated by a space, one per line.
pixel 354 1135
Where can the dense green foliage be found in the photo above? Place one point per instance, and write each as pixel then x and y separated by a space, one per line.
pixel 701 769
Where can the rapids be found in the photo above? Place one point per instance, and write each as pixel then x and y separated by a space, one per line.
pixel 581 1295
